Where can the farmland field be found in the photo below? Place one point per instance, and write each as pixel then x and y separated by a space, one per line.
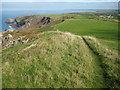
pixel 97 28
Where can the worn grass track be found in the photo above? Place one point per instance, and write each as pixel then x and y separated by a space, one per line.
pixel 109 59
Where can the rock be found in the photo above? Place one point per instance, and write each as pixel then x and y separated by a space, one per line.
pixel 47 20
pixel 43 19
pixel 6 40
pixel 9 41
pixel 10 36
pixel 19 24
pixel 14 43
pixel 9 20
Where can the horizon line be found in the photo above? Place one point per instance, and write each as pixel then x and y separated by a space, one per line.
pixel 81 1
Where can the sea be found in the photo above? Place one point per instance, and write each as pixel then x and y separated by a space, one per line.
pixel 16 9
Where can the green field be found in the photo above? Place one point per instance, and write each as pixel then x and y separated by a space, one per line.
pixel 97 28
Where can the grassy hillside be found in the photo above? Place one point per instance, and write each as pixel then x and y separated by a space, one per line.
pixel 57 59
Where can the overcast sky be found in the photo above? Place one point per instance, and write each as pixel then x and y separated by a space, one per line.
pixel 60 0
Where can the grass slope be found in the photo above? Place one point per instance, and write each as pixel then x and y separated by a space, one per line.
pixel 109 61
pixel 56 59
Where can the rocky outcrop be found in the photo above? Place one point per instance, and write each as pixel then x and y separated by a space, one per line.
pixel 9 20
pixel 31 22
pixel 45 20
pixel 8 41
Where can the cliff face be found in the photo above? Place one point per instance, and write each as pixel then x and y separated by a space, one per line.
pixel 32 22
pixel 35 21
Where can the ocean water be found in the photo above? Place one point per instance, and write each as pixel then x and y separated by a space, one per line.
pixel 13 10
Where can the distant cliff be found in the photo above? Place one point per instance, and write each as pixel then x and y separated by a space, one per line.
pixel 34 21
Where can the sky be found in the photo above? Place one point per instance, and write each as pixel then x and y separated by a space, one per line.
pixel 60 0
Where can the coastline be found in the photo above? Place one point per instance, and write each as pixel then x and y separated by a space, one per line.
pixel 13 14
pixel 13 27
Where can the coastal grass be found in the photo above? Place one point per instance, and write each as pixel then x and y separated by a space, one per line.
pixel 46 28
pixel 109 59
pixel 55 60
pixel 58 60
pixel 112 44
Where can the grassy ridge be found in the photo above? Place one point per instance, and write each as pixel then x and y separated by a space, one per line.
pixel 59 59
pixel 56 59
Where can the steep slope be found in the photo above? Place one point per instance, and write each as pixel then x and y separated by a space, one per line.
pixel 56 59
